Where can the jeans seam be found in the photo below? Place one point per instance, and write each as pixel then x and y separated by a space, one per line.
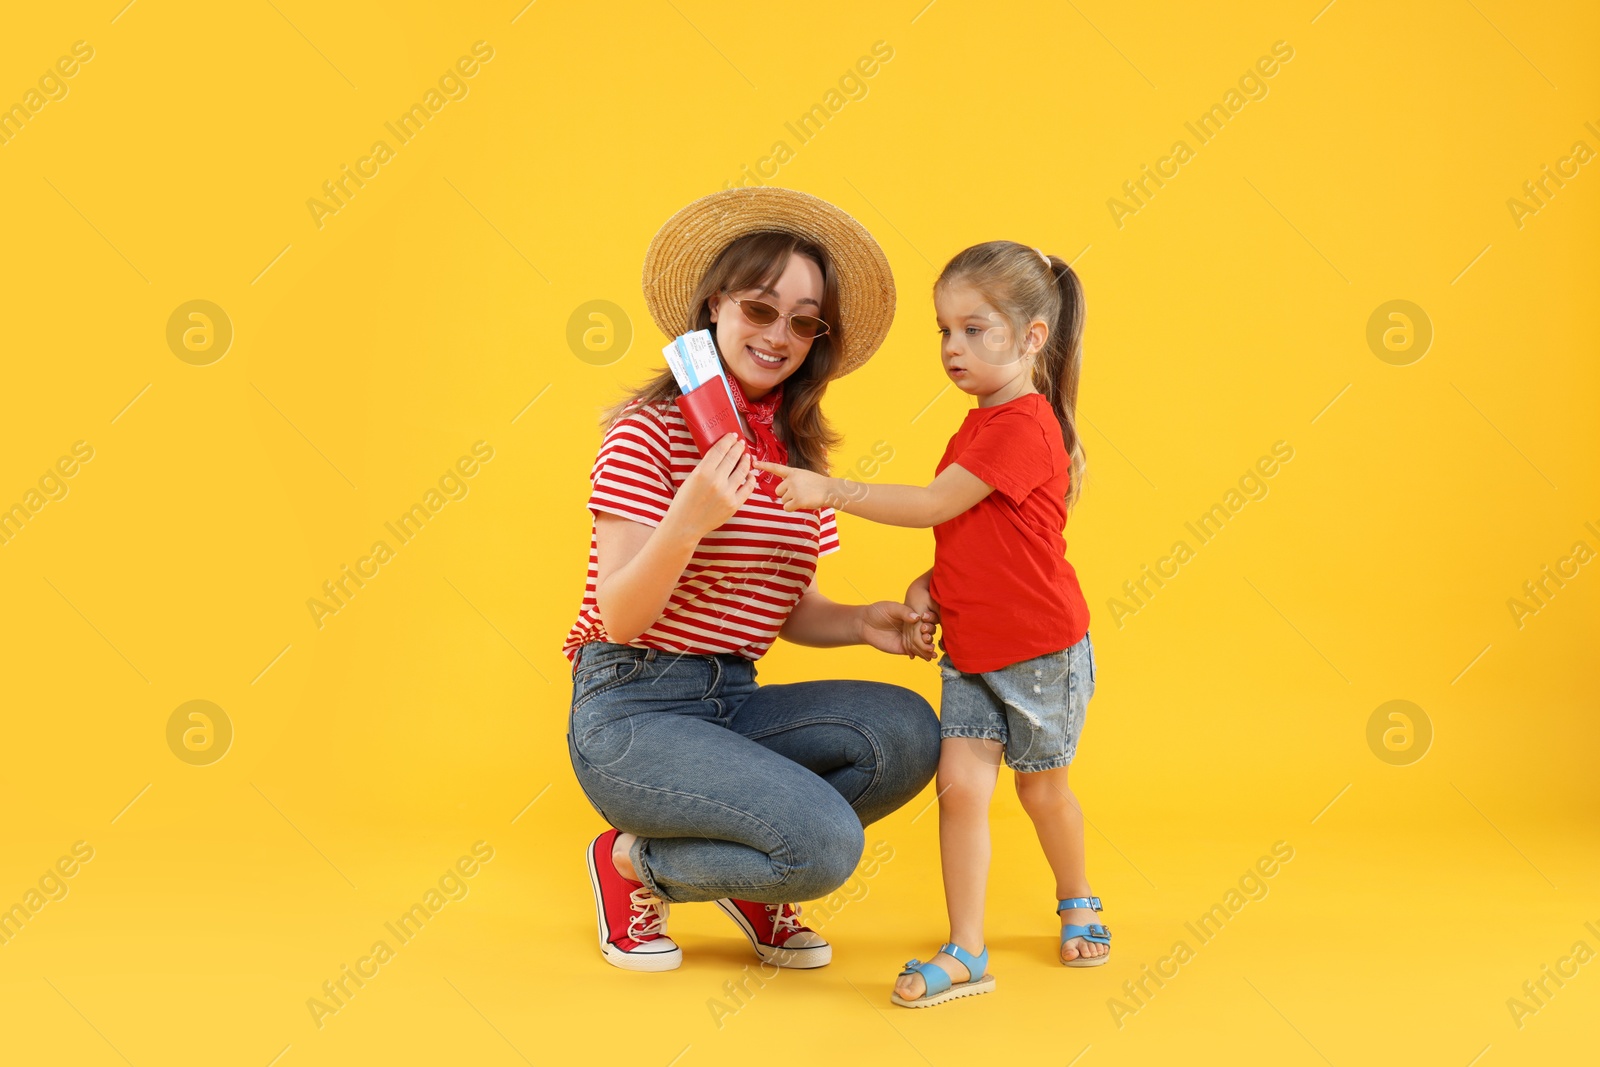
pixel 622 677
pixel 1090 651
pixel 572 749
pixel 877 752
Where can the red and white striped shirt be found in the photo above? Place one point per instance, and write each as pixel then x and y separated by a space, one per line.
pixel 744 577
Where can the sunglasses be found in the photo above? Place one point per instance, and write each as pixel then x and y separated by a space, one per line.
pixel 760 313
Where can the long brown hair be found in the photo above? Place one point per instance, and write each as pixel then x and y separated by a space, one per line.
pixel 1018 282
pixel 749 262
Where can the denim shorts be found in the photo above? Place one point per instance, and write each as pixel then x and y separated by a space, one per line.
pixel 1035 708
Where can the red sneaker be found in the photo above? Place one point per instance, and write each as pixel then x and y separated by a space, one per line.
pixel 633 920
pixel 776 932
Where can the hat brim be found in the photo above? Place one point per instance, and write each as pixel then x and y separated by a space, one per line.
pixel 690 241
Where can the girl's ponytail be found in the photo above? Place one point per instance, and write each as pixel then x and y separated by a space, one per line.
pixel 1060 365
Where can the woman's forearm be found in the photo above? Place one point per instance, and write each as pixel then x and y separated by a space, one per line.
pixel 820 623
pixel 632 597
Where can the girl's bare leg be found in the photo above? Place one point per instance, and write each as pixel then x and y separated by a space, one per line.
pixel 968 767
pixel 1058 820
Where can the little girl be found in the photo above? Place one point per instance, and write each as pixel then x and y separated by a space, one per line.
pixel 1018 668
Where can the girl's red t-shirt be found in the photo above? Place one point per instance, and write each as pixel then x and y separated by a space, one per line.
pixel 1001 579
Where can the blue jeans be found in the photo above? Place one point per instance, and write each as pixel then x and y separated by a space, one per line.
pixel 736 790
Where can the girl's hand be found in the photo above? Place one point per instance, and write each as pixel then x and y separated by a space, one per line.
pixel 918 633
pixel 920 600
pixel 884 627
pixel 803 490
pixel 717 487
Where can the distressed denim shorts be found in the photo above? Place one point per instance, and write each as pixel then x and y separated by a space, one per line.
pixel 1034 708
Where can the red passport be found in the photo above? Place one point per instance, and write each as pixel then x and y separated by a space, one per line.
pixel 709 414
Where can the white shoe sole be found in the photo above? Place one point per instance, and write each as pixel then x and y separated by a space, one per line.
pixel 798 958
pixel 960 989
pixel 667 960
pixel 1088 961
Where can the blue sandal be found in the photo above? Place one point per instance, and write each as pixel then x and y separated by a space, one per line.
pixel 1092 932
pixel 936 979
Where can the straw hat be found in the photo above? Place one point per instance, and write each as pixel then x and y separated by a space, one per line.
pixel 686 246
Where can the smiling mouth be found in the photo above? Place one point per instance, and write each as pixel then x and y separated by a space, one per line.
pixel 764 359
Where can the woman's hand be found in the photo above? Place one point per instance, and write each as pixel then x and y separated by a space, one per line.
pixel 803 490
pixel 637 566
pixel 887 626
pixel 717 488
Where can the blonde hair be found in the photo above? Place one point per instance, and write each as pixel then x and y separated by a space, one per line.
pixel 748 262
pixel 1025 284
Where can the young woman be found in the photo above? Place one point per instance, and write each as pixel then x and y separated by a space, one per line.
pixel 718 789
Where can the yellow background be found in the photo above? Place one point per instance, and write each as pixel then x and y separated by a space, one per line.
pixel 368 354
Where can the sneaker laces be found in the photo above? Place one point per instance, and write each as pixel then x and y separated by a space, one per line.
pixel 648 914
pixel 785 919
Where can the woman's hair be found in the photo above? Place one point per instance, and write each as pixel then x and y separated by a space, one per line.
pixel 749 262
pixel 1016 280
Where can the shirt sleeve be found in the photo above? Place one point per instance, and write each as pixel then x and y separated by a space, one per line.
pixel 828 539
pixel 1010 453
pixel 632 475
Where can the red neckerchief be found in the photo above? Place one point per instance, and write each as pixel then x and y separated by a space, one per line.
pixel 758 415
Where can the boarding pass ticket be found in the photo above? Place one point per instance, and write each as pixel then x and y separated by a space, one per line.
pixel 694 361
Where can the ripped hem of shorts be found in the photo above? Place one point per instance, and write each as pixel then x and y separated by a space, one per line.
pixel 1033 766
pixel 981 732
